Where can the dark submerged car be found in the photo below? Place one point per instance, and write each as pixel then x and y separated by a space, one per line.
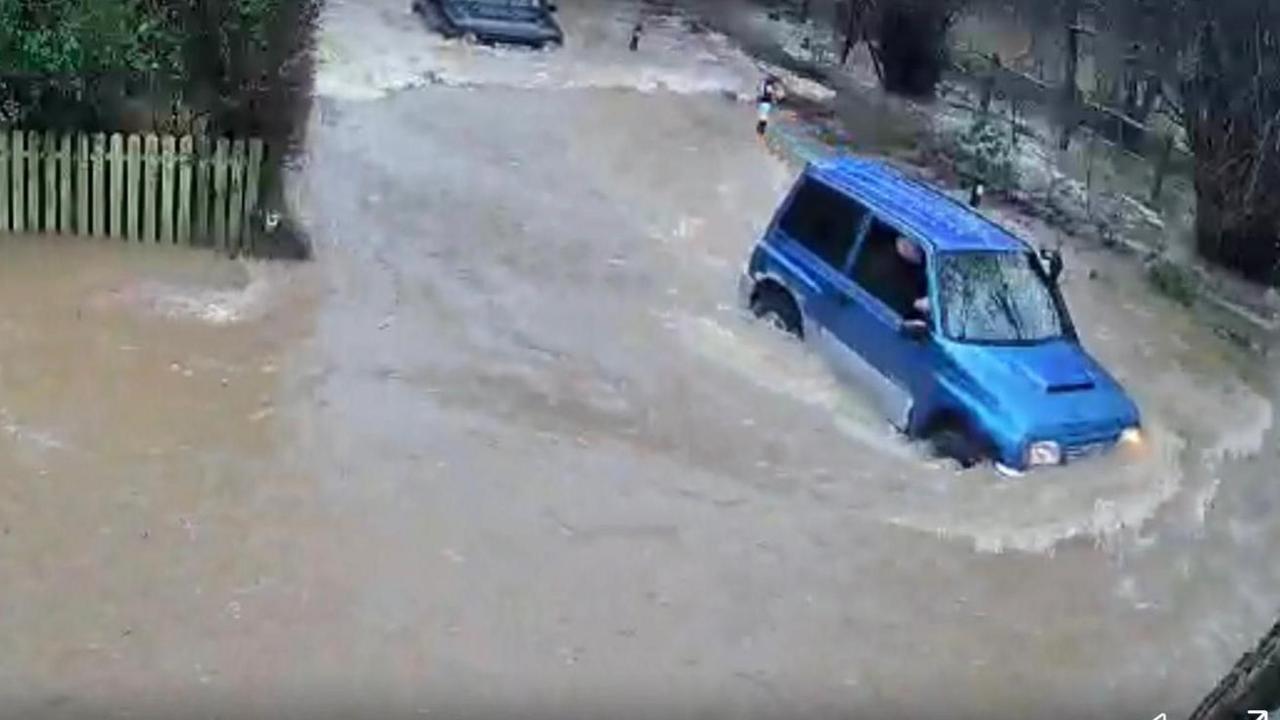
pixel 519 22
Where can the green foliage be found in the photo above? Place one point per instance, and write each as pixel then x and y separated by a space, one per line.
pixel 983 152
pixel 239 66
pixel 85 37
pixel 1173 280
pixel 255 15
pixel 208 67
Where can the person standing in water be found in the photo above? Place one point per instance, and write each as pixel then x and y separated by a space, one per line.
pixel 770 94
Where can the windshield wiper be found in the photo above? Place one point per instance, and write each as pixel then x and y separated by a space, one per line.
pixel 1002 299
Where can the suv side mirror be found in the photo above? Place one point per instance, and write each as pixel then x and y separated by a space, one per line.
pixel 1053 264
pixel 914 330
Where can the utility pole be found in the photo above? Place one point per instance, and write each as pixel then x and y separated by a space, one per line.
pixel 1069 100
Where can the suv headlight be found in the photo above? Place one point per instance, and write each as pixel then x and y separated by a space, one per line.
pixel 1131 436
pixel 1044 453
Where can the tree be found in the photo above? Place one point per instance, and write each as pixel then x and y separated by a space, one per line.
pixel 81 64
pixel 80 37
pixel 911 45
pixel 1214 65
pixel 59 58
pixel 1231 94
pixel 212 67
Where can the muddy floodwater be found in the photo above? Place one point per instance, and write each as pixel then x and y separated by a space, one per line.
pixel 122 365
pixel 508 444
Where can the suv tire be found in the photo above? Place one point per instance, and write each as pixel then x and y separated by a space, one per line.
pixel 958 443
pixel 776 308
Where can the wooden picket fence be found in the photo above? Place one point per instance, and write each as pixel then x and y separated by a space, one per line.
pixel 141 188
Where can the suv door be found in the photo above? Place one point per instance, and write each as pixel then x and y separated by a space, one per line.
pixel 887 287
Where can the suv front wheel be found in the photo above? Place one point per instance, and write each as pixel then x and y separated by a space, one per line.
pixel 957 441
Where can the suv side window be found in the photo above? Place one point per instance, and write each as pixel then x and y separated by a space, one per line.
pixel 824 221
pixel 891 267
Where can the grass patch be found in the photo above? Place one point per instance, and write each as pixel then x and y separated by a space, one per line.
pixel 1173 281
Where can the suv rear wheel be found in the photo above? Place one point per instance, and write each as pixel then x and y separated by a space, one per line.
pixel 775 307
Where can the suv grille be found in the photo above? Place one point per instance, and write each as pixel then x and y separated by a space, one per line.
pixel 1085 450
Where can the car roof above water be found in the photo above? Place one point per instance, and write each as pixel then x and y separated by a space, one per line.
pixel 916 208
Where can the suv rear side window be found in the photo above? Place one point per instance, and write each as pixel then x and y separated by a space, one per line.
pixel 823 221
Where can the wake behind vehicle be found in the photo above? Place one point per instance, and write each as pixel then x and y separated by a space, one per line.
pixel 520 22
pixel 956 327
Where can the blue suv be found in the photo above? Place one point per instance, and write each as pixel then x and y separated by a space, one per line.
pixel 955 327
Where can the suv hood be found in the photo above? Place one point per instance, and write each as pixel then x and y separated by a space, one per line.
pixel 1053 368
pixel 1054 390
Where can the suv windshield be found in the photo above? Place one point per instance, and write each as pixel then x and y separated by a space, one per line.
pixel 997 297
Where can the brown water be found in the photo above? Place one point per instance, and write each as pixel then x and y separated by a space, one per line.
pixel 129 354
pixel 507 445
pixel 140 473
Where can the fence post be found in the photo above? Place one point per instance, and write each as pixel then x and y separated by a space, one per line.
pixel 167 194
pixel 185 161
pixel 235 212
pixel 133 196
pixel 252 189
pixel 82 185
pixel 33 180
pixel 150 170
pixel 64 186
pixel 4 181
pixel 117 186
pixel 1013 123
pixel 200 166
pixel 99 205
pixel 50 182
pixel 18 145
pixel 1161 169
pixel 220 195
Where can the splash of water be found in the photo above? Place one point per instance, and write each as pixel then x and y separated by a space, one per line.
pixel 210 306
pixel 366 54
pixel 1102 500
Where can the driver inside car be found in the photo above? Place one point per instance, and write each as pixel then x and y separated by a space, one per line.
pixel 918 283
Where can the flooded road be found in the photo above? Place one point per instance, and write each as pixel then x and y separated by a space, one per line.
pixel 507 445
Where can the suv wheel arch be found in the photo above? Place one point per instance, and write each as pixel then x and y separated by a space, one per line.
pixel 954 436
pixel 771 299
